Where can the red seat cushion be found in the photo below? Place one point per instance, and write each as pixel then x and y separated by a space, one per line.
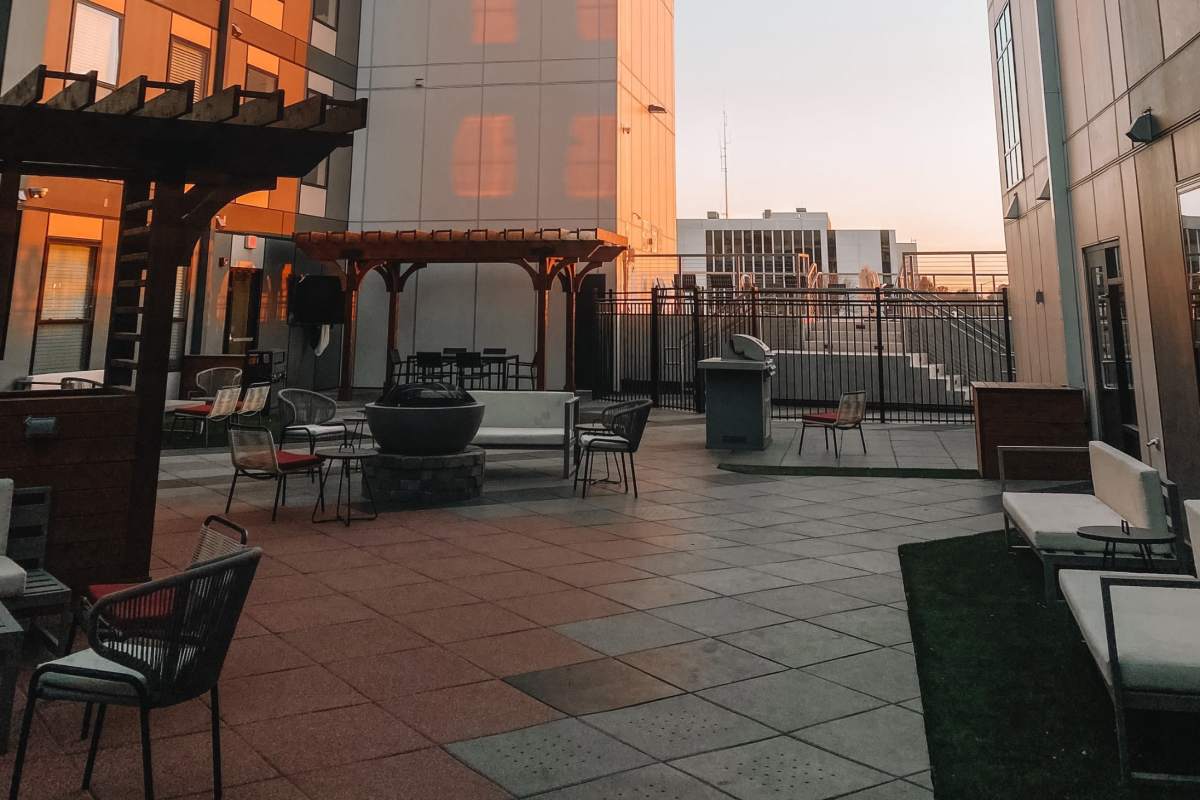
pixel 98 590
pixel 829 417
pixel 201 410
pixel 296 460
pixel 157 608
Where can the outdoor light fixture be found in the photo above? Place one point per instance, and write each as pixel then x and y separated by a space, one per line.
pixel 32 193
pixel 1014 210
pixel 1145 129
pixel 654 108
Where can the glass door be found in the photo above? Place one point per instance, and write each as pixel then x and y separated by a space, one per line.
pixel 1112 348
pixel 242 307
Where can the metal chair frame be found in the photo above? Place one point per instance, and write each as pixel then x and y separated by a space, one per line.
pixel 210 381
pixel 620 434
pixel 302 408
pixel 223 406
pixel 265 472
pixel 851 412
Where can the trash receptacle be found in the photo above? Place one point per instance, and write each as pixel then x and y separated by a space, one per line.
pixel 738 395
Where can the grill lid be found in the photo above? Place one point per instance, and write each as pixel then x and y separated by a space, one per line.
pixel 748 348
pixel 425 395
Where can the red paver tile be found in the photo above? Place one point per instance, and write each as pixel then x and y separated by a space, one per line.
pixel 181 765
pixel 568 536
pixel 423 775
pixel 247 627
pixel 524 651
pixel 526 524
pixel 121 724
pixel 621 548
pixel 282 694
pixel 468 712
pixel 459 567
pixel 301 543
pixel 498 543
pixel 397 674
pixel 262 654
pixel 358 536
pixel 330 738
pixel 284 587
pixel 461 528
pixel 55 778
pixel 458 623
pixel 292 615
pixel 354 639
pixel 276 789
pixel 271 568
pixel 375 577
pixel 562 607
pixel 396 601
pixel 408 552
pixel 638 530
pixel 326 561
pixel 545 556
pixel 594 573
pixel 426 519
pixel 508 584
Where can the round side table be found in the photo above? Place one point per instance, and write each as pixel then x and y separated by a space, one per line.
pixel 1113 535
pixel 343 461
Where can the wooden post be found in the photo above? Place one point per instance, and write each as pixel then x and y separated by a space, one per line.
pixel 10 228
pixel 392 279
pixel 542 286
pixel 572 290
pixel 349 333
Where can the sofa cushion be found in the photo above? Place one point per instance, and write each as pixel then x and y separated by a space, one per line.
pixel 58 686
pixel 1127 486
pixel 6 498
pixel 1051 521
pixel 604 441
pixel 315 431
pixel 12 578
pixel 519 437
pixel 1158 641
pixel 523 409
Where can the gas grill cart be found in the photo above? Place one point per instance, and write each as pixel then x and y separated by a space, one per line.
pixel 738 391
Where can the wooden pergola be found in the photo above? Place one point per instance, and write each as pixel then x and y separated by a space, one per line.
pixel 546 255
pixel 181 161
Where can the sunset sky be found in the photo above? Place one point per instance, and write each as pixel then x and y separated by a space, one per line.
pixel 876 111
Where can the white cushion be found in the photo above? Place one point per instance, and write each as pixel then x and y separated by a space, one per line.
pixel 317 431
pixel 59 686
pixel 6 498
pixel 519 437
pixel 1191 510
pixel 604 441
pixel 523 409
pixel 1158 639
pixel 12 578
pixel 1052 521
pixel 1127 486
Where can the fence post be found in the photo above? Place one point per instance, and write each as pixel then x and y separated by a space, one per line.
pixel 655 360
pixel 1008 344
pixel 879 352
pixel 697 351
pixel 756 324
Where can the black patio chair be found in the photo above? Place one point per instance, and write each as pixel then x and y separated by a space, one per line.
pixel 473 372
pixel 152 646
pixel 429 366
pixel 619 435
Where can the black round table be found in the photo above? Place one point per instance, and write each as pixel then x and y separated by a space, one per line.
pixel 1113 535
pixel 355 431
pixel 343 460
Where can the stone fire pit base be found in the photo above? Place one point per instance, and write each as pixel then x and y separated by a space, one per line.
pixel 420 481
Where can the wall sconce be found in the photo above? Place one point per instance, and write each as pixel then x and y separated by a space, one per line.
pixel 1145 129
pixel 1039 297
pixel 653 108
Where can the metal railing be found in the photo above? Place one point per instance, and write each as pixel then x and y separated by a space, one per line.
pixel 953 272
pixel 915 354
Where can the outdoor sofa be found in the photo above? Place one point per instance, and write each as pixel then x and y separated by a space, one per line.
pixel 528 421
pixel 1141 629
pixel 1048 522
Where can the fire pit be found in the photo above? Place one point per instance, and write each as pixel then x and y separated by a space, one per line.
pixel 424 419
pixel 424 431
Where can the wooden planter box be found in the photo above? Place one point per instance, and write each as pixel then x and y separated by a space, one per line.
pixel 89 463
pixel 1030 414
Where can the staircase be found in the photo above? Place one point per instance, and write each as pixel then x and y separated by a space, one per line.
pixel 129 287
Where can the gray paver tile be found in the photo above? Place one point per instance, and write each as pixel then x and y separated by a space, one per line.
pixel 780 769
pixel 884 673
pixel 924 779
pixel 702 664
pixel 547 756
pixel 896 790
pixel 798 644
pixel 679 726
pixel 592 686
pixel 674 563
pixel 749 556
pixel 717 525
pixel 804 601
pixel 790 700
pixel 656 782
pixel 735 580
pixel 880 624
pixel 871 561
pixel 652 592
pixel 689 541
pixel 625 633
pixel 810 570
pixel 876 588
pixel 889 738
pixel 814 548
pixel 719 616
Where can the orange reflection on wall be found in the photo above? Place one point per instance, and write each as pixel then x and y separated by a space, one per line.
pixel 597 20
pixel 485 157
pixel 592 157
pixel 285 282
pixel 495 22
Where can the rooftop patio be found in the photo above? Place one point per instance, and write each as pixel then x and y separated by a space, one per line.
pixel 724 629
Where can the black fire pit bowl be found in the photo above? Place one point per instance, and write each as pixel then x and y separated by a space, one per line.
pixel 424 419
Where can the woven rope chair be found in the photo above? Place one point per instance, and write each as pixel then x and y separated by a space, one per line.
pixel 79 384
pixel 310 417
pixel 255 401
pixel 254 455
pixel 205 415
pixel 619 434
pixel 851 411
pixel 152 646
pixel 210 381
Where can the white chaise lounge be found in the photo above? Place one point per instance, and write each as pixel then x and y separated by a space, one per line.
pixel 1143 630
pixel 528 421
pixel 1125 489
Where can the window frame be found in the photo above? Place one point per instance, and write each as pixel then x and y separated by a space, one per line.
pixel 120 18
pixel 202 87
pixel 260 71
pixel 174 363
pixel 337 13
pixel 1004 40
pixel 89 322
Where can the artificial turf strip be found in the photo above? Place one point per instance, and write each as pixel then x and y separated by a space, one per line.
pixel 1014 706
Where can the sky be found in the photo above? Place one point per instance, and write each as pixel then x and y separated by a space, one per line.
pixel 876 111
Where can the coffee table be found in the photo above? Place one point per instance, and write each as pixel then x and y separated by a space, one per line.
pixel 343 460
pixel 1113 535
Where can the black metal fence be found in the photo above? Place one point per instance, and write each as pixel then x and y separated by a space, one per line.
pixel 915 354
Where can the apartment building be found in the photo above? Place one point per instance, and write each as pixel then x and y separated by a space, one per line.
pixel 785 250
pixel 1098 132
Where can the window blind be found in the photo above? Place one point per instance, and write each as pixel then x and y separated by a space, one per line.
pixel 96 43
pixel 188 62
pixel 67 287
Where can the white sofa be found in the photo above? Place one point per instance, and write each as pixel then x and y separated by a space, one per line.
pixel 528 421
pixel 1125 489
pixel 1142 633
pixel 12 576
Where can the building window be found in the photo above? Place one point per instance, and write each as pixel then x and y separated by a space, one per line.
pixel 258 80
pixel 188 62
pixel 63 338
pixel 326 11
pixel 1010 120
pixel 96 43
pixel 885 252
pixel 179 311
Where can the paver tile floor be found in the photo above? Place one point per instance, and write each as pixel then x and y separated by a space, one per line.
pixel 721 636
